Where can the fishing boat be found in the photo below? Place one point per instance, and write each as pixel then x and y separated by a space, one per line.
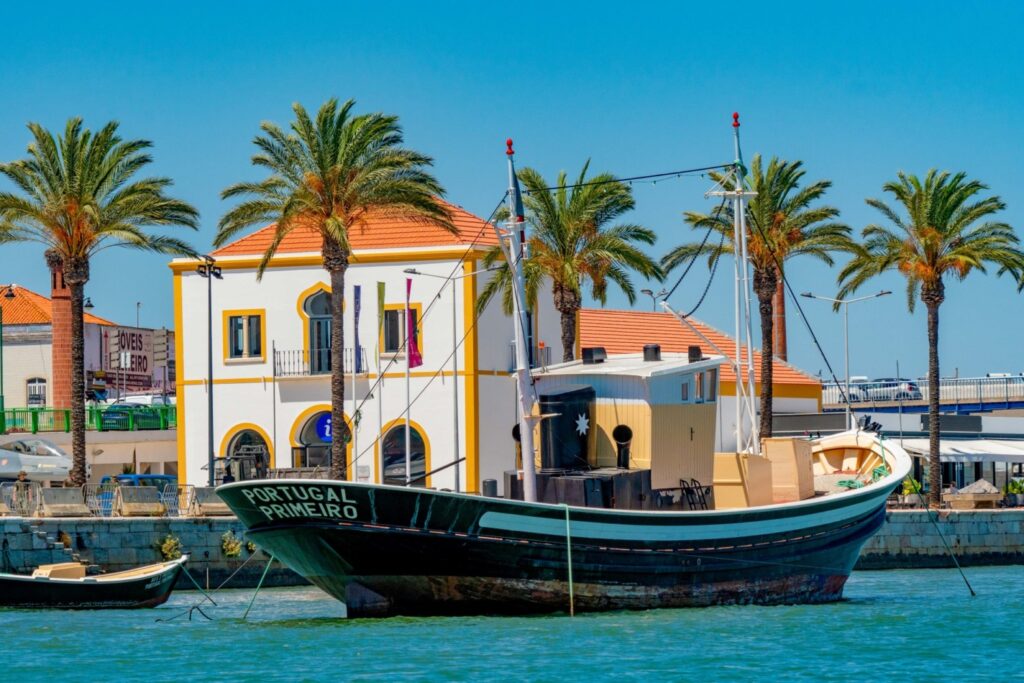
pixel 66 586
pixel 582 535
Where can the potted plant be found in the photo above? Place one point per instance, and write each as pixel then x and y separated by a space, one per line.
pixel 911 492
pixel 1014 491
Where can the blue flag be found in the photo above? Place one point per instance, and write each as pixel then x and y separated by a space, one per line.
pixel 359 357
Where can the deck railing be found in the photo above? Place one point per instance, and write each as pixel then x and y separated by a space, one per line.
pixel 98 418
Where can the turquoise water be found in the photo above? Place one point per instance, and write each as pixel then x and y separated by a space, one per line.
pixel 898 625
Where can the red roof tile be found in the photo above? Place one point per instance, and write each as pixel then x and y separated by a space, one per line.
pixel 375 232
pixel 628 331
pixel 30 308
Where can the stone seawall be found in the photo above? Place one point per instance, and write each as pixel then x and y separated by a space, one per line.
pixel 909 539
pixel 114 544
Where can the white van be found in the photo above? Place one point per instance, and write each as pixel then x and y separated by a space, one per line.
pixel 150 399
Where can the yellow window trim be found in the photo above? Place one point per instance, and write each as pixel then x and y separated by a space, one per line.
pixel 237 429
pixel 400 422
pixel 245 313
pixel 301 421
pixel 418 307
pixel 300 306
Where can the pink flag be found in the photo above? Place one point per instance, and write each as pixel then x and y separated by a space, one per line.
pixel 411 330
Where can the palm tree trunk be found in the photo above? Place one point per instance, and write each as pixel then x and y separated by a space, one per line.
pixel 567 302
pixel 934 464
pixel 764 287
pixel 568 334
pixel 76 285
pixel 779 342
pixel 336 262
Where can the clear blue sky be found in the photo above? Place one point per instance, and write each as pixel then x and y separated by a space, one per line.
pixel 857 92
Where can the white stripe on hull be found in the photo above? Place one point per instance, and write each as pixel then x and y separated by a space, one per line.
pixel 503 521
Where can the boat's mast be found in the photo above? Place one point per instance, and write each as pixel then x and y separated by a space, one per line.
pixel 743 263
pixel 513 242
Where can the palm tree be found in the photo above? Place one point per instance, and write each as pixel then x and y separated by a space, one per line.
pixel 781 224
pixel 946 232
pixel 330 175
pixel 77 196
pixel 571 245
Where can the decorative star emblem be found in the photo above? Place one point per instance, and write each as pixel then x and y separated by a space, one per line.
pixel 582 424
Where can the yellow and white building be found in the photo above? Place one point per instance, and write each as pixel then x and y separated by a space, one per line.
pixel 270 341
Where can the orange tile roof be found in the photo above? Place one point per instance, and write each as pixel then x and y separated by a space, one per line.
pixel 628 331
pixel 29 308
pixel 375 232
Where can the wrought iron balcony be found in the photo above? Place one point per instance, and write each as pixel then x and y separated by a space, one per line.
pixel 302 363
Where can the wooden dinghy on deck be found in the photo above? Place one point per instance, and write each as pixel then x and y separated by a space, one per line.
pixel 66 586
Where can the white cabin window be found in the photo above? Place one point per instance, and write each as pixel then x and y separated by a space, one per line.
pixel 698 393
pixel 685 392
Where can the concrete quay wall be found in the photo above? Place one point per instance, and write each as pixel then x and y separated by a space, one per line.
pixel 909 539
pixel 115 544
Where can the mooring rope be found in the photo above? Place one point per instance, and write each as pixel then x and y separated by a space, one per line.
pixel 258 586
pixel 568 549
pixel 206 596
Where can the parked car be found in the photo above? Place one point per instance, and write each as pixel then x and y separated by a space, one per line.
pixel 150 400
pixel 123 416
pixel 893 389
pixel 157 480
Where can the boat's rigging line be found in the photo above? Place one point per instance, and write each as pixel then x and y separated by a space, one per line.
pixel 434 299
pixel 487 223
pixel 803 316
pixel 633 179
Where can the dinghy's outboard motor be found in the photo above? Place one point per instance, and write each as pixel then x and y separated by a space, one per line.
pixel 866 425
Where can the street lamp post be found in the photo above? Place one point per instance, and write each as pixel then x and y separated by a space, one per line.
pixel 209 271
pixel 8 294
pixel 845 303
pixel 654 297
pixel 455 355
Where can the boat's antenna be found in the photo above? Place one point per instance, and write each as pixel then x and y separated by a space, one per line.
pixel 513 242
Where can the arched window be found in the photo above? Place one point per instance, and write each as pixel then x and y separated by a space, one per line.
pixel 35 391
pixel 315 438
pixel 318 308
pixel 318 304
pixel 248 455
pixel 393 456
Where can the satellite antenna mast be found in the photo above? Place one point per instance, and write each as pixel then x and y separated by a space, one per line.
pixel 746 410
pixel 513 242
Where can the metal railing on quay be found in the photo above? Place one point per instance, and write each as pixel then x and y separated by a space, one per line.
pixel 100 418
pixel 540 356
pixel 303 363
pixel 952 390
pixel 20 498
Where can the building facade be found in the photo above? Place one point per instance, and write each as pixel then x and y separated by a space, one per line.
pixel 270 342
